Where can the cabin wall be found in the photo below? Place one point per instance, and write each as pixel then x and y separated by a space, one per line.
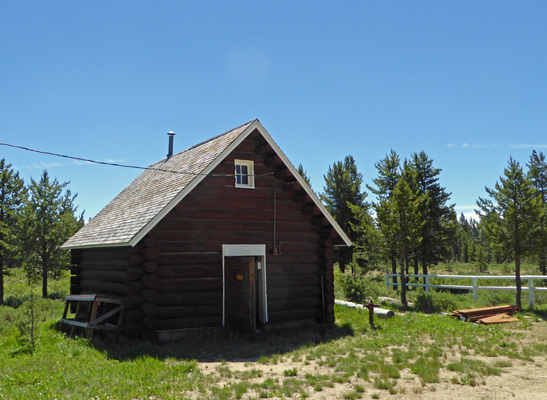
pixel 115 271
pixel 183 285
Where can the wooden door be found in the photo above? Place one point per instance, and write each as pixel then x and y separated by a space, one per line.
pixel 240 294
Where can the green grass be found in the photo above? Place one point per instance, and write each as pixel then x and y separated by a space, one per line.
pixel 351 353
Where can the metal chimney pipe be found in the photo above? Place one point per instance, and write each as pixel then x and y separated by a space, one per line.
pixel 170 151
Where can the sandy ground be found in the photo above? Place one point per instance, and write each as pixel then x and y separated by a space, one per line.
pixel 522 380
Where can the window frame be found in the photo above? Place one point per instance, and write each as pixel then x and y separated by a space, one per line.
pixel 250 174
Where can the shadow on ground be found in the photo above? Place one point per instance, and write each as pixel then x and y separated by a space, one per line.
pixel 221 346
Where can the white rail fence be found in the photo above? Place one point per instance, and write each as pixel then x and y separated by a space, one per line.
pixel 474 283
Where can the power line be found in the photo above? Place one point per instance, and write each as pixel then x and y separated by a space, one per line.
pixel 115 164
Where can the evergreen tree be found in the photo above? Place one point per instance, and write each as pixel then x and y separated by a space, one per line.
pixel 510 217
pixel 12 195
pixel 439 228
pixel 367 244
pixel 399 218
pixel 303 174
pixel 343 187
pixel 388 176
pixel 537 173
pixel 49 222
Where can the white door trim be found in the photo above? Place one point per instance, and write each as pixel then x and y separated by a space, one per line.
pixel 243 250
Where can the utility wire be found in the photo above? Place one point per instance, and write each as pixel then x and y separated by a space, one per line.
pixel 116 164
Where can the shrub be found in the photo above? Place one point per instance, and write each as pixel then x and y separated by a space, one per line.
pixel 355 288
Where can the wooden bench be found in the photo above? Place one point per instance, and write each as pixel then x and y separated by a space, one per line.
pixel 91 313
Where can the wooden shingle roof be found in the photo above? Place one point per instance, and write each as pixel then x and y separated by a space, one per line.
pixel 142 204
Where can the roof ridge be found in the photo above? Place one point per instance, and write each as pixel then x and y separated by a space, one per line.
pixel 206 141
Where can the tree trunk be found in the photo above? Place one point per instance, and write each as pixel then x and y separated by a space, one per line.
pixel 403 279
pixel 44 280
pixel 517 278
pixel 394 270
pixel 416 266
pixel 424 268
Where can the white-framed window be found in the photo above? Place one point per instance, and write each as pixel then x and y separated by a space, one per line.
pixel 244 172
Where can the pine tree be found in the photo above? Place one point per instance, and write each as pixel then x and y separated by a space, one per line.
pixel 399 218
pixel 49 222
pixel 537 173
pixel 303 174
pixel 439 228
pixel 510 217
pixel 388 176
pixel 343 186
pixel 12 195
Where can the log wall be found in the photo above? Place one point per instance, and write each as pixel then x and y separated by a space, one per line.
pixel 185 290
pixel 173 278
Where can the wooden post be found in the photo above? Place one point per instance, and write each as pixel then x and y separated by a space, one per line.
pixel 370 306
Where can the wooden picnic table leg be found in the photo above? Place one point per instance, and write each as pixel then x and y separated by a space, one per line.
pixel 92 318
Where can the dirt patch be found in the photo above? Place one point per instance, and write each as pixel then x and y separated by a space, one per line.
pixel 519 379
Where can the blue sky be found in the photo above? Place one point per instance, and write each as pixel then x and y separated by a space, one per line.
pixel 464 81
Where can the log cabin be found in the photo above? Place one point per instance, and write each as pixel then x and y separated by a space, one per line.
pixel 225 234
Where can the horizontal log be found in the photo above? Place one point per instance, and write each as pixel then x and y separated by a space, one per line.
pixel 134 316
pixel 284 174
pixel 108 265
pixel 292 186
pixel 264 149
pixel 179 224
pixel 236 237
pixel 178 299
pixel 264 214
pixel 295 314
pixel 181 285
pixel 134 273
pixel 104 276
pixel 100 287
pixel 311 209
pixel 293 280
pixel 133 301
pixel 190 259
pixel 292 269
pixel 151 310
pixel 135 260
pixel 151 253
pixel 75 280
pixel 295 292
pixel 134 287
pixel 237 203
pixel 149 241
pixel 181 323
pixel 273 161
pixel 105 253
pixel 150 266
pixel 136 249
pixel 291 304
pixel 190 271
pixel 296 258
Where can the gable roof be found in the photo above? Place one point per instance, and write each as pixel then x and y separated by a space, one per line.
pixel 155 192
